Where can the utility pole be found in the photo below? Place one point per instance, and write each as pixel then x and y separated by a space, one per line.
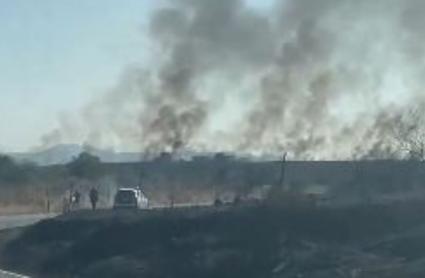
pixel 141 174
pixel 282 171
pixel 47 200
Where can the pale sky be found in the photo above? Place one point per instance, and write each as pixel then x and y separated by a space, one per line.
pixel 56 55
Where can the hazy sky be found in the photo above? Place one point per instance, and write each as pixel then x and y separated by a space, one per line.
pixel 56 55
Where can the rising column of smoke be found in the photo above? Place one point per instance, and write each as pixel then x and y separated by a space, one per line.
pixel 194 39
pixel 329 73
pixel 201 37
pixel 341 65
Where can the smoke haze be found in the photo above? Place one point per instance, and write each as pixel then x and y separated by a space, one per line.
pixel 321 79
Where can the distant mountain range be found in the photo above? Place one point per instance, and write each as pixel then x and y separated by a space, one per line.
pixel 64 153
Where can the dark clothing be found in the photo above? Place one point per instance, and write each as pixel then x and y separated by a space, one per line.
pixel 76 198
pixel 94 195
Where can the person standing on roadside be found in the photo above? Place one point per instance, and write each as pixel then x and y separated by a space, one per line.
pixel 94 196
pixel 76 196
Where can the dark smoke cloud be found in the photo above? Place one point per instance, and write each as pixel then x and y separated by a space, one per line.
pixel 328 79
pixel 334 55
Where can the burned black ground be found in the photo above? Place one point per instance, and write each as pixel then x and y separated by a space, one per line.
pixel 245 241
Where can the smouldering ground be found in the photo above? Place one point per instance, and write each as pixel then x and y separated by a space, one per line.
pixel 244 241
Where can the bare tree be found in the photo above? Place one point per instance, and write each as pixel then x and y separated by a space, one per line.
pixel 410 135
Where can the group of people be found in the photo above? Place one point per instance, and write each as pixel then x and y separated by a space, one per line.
pixel 72 201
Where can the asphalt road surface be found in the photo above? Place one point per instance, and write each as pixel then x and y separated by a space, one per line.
pixel 14 221
pixel 7 274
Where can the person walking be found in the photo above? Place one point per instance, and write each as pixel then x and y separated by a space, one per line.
pixel 94 196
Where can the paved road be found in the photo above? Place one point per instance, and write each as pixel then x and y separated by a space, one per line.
pixel 7 274
pixel 14 221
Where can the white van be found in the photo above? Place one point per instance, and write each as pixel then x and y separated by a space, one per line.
pixel 132 198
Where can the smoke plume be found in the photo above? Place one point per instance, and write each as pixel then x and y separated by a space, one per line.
pixel 317 78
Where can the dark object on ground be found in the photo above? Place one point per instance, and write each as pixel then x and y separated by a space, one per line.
pixel 218 202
